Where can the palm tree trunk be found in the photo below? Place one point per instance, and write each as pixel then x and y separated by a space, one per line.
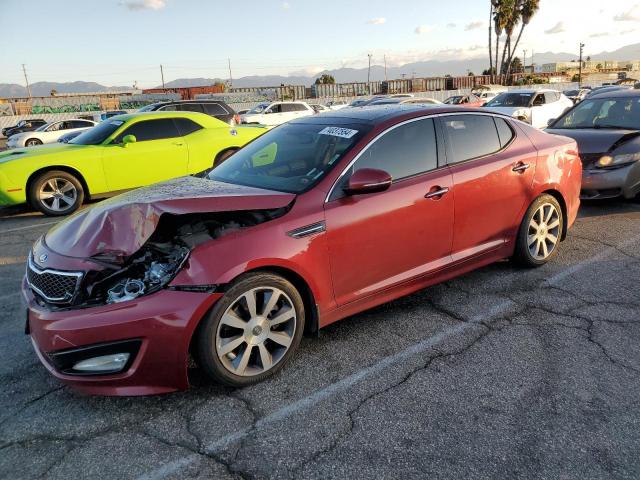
pixel 497 49
pixel 515 47
pixel 490 29
pixel 504 54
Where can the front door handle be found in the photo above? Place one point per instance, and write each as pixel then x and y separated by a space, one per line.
pixel 520 167
pixel 437 192
pixel 179 144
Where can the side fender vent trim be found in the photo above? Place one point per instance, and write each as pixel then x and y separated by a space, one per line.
pixel 307 230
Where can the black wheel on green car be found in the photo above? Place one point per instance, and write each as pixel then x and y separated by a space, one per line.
pixel 223 155
pixel 252 331
pixel 55 193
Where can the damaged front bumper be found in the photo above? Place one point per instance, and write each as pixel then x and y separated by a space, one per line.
pixel 156 331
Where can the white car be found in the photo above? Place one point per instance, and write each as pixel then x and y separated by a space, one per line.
pixel 49 133
pixel 276 113
pixel 488 92
pixel 536 107
pixel 337 104
pixel 319 108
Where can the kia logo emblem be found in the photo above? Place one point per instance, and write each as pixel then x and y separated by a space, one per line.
pixel 43 258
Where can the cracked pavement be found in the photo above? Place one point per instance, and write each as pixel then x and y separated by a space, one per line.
pixel 501 373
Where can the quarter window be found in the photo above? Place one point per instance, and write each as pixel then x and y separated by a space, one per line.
pixel 407 150
pixel 150 130
pixel 504 131
pixel 186 126
pixel 470 136
pixel 191 107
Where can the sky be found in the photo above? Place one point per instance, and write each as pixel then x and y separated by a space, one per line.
pixel 119 42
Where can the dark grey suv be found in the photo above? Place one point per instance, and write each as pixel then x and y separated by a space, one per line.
pixel 215 108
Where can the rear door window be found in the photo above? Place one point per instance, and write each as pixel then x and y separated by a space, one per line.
pixel 214 109
pixel 191 107
pixel 469 137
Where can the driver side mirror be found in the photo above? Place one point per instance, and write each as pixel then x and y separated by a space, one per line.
pixel 128 139
pixel 367 180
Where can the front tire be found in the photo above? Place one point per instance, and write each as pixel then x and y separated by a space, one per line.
pixel 32 142
pixel 56 193
pixel 252 331
pixel 540 232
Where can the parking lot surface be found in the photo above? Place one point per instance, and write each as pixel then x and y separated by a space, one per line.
pixel 501 373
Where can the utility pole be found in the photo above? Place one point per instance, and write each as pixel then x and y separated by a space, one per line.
pixel 524 60
pixel 385 69
pixel 162 75
pixel 24 70
pixel 230 76
pixel 580 66
pixel 369 73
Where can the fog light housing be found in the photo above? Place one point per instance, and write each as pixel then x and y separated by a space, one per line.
pixel 105 363
pixel 98 359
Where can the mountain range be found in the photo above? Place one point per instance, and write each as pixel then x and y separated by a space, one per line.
pixel 428 68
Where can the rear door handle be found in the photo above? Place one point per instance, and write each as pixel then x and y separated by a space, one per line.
pixel 520 167
pixel 437 192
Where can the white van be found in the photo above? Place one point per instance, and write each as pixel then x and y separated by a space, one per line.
pixel 276 113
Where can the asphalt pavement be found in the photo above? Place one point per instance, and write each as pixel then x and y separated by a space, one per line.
pixel 499 374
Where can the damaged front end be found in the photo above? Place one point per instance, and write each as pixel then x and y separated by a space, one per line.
pixel 120 278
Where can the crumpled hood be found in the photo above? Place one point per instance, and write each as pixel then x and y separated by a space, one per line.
pixel 122 224
pixel 591 140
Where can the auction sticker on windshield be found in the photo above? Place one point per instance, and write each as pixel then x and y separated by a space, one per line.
pixel 338 132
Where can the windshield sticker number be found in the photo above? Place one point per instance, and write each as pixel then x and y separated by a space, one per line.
pixel 338 132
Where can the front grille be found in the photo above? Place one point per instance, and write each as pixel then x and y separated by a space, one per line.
pixel 54 286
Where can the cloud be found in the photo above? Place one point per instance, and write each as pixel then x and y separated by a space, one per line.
pixel 286 6
pixel 474 25
pixel 420 29
pixel 137 5
pixel 599 34
pixel 451 25
pixel 377 21
pixel 631 15
pixel 557 28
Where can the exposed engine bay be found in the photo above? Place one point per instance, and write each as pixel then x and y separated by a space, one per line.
pixel 119 278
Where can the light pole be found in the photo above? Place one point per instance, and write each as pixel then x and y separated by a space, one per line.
pixel 580 66
pixel 524 60
pixel 369 73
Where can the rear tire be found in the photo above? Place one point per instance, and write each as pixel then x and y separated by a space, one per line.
pixel 252 331
pixel 55 193
pixel 540 232
pixel 32 142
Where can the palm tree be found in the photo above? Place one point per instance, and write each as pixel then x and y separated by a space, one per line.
pixel 501 14
pixel 527 10
pixel 511 9
pixel 490 31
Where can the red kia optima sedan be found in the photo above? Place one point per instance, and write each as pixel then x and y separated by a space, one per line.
pixel 316 220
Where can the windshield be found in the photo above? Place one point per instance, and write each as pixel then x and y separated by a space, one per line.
pixel 617 112
pixel 97 134
pixel 453 100
pixel 259 108
pixel 148 108
pixel 290 158
pixel 510 100
pixel 571 93
pixel 43 127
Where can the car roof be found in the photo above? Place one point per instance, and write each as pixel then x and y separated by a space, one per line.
pixel 616 93
pixel 374 114
pixel 201 118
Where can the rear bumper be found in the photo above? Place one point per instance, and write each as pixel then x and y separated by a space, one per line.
pixel 160 325
pixel 610 183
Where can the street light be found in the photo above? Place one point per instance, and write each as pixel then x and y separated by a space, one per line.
pixel 580 66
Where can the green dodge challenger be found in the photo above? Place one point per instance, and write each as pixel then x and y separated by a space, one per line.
pixel 123 152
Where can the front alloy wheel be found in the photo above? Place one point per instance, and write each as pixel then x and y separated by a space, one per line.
pixel 56 193
pixel 252 330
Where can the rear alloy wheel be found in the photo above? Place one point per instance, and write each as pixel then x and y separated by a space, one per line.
pixel 56 193
pixel 252 331
pixel 540 232
pixel 32 142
